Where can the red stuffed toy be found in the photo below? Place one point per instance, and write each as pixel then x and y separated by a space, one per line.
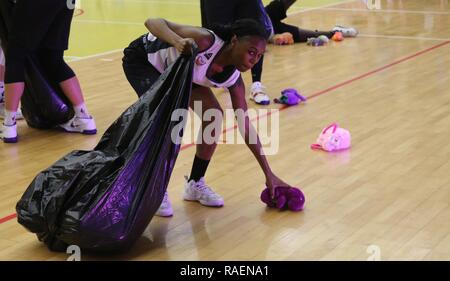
pixel 285 198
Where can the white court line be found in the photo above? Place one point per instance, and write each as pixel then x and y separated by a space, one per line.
pixel 320 7
pixel 402 37
pixel 388 11
pixel 110 22
pixel 70 58
pixel 163 2
pixel 95 55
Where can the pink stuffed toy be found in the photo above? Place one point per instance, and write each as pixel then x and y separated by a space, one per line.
pixel 333 138
pixel 285 198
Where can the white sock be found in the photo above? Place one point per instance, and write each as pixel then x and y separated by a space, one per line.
pixel 81 110
pixel 10 118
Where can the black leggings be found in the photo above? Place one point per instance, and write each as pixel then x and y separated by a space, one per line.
pixel 52 62
pixel 38 25
pixel 228 11
pixel 277 12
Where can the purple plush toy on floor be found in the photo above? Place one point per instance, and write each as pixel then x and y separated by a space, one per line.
pixel 290 97
pixel 285 198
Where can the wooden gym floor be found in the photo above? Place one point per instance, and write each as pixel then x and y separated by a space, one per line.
pixel 386 198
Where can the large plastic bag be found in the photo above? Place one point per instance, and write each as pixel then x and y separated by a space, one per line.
pixel 43 103
pixel 104 199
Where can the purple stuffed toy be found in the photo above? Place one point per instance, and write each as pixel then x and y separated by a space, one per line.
pixel 290 97
pixel 285 198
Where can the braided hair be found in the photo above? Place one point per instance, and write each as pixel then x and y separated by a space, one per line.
pixel 240 28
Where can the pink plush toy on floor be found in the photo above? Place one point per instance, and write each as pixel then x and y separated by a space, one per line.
pixel 333 138
pixel 285 198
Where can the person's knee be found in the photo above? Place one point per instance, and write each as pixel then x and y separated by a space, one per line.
pixel 54 64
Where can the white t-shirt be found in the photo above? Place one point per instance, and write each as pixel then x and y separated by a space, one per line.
pixel 161 54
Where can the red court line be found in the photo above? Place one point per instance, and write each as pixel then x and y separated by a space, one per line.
pixel 378 70
pixel 332 88
pixel 7 218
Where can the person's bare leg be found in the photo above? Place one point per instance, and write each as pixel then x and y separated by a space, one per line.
pixel 2 74
pixel 208 101
pixel 13 93
pixel 72 89
pixel 82 122
pixel 195 188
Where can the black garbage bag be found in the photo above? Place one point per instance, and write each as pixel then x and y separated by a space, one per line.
pixel 103 199
pixel 44 105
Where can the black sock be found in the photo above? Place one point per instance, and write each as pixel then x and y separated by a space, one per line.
pixel 257 71
pixel 198 168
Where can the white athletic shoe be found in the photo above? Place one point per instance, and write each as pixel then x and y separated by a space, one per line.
pixel 201 192
pixel 258 94
pixel 80 125
pixel 2 112
pixel 9 133
pixel 346 31
pixel 165 209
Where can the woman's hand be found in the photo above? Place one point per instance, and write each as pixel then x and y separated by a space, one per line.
pixel 272 182
pixel 185 46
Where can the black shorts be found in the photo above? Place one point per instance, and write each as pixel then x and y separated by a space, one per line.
pixel 140 73
pixel 41 24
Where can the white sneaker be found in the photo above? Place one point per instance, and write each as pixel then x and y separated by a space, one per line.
pixel 2 112
pixel 80 125
pixel 9 133
pixel 258 94
pixel 165 209
pixel 346 31
pixel 199 191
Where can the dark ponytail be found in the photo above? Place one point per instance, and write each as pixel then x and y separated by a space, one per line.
pixel 240 28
